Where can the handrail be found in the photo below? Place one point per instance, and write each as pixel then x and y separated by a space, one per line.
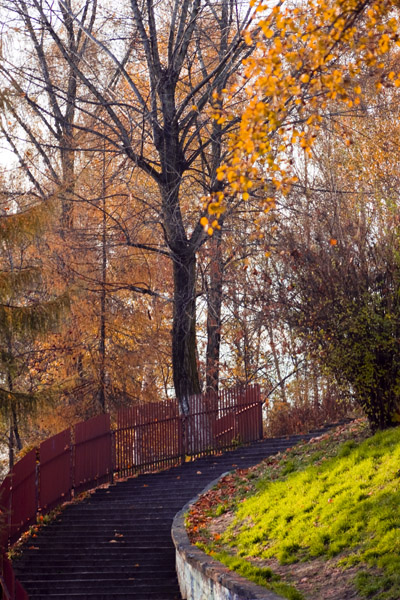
pixel 147 437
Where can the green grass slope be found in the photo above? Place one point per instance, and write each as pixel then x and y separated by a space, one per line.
pixel 320 520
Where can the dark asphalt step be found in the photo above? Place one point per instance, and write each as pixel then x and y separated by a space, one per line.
pixel 71 564
pixel 87 573
pixel 88 594
pixel 116 534
pixel 125 584
pixel 120 538
pixel 109 595
pixel 110 552
pixel 107 546
pixel 136 528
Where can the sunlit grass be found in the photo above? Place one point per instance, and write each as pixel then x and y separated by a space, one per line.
pixel 320 505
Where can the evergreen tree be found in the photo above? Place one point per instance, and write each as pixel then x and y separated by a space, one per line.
pixel 28 310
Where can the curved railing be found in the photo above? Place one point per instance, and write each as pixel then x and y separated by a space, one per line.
pixel 76 459
pixel 146 438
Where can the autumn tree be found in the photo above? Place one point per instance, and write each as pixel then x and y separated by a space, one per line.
pixel 171 62
pixel 314 67
pixel 39 125
pixel 53 143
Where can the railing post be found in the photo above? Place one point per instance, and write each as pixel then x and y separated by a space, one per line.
pixel 260 411
pixel 181 434
pixel 113 451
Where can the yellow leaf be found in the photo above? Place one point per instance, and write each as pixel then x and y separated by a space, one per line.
pixel 215 207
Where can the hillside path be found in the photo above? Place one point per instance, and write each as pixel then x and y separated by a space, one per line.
pixel 117 543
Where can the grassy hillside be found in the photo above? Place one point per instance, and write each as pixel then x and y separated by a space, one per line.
pixel 320 521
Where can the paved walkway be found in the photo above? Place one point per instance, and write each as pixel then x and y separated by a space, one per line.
pixel 117 543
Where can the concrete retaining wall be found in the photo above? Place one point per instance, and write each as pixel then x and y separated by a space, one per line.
pixel 202 578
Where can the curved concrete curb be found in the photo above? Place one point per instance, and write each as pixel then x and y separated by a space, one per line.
pixel 202 578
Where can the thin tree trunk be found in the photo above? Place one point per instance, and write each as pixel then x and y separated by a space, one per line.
pixel 276 360
pixel 68 189
pixel 214 305
pixel 16 429
pixel 11 446
pixel 103 297
pixel 316 394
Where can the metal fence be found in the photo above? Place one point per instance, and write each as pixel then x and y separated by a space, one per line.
pixel 147 437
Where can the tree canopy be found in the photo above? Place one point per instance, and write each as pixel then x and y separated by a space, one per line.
pixel 216 188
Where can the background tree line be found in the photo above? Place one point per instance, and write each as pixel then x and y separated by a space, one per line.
pixel 138 265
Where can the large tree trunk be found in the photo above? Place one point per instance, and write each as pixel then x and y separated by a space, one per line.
pixel 184 361
pixel 183 250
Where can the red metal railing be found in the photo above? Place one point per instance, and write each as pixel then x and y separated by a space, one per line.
pixel 23 495
pixel 93 455
pixel 55 473
pixel 148 437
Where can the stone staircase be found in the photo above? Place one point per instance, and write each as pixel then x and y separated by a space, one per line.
pixel 117 543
